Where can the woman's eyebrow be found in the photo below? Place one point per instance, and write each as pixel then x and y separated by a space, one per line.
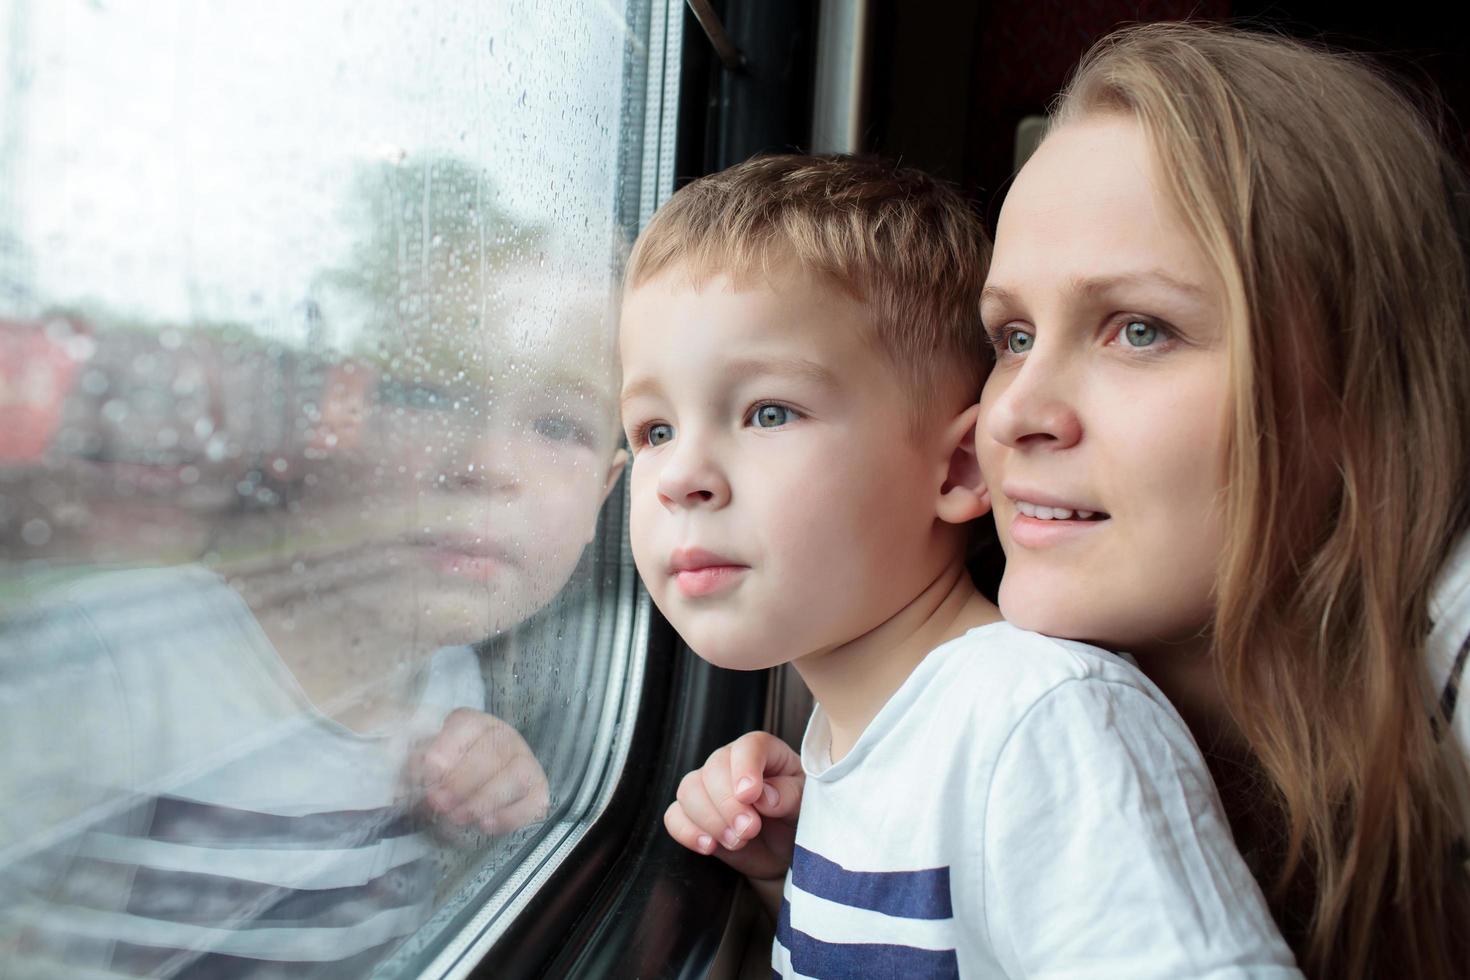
pixel 1091 286
pixel 997 294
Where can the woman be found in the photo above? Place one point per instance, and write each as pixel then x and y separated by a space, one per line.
pixel 1232 320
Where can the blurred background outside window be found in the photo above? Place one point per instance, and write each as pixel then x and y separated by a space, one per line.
pixel 313 622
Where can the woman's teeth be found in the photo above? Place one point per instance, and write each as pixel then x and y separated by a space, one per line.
pixel 1052 513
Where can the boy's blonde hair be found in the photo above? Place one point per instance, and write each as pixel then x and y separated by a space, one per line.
pixel 901 242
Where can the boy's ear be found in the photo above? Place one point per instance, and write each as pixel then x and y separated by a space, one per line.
pixel 615 467
pixel 963 495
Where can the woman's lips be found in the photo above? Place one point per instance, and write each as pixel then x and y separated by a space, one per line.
pixel 1042 519
pixel 1031 532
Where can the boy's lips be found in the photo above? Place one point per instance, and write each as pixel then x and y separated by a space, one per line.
pixel 698 573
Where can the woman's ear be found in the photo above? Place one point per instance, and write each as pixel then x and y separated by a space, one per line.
pixel 963 495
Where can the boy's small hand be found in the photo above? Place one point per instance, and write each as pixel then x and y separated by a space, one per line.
pixel 478 770
pixel 741 806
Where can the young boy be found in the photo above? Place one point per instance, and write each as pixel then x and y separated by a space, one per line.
pixel 801 355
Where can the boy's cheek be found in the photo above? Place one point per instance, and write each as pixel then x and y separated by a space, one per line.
pixel 639 538
pixel 643 505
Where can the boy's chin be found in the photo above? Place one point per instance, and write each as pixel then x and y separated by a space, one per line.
pixel 743 658
pixel 725 637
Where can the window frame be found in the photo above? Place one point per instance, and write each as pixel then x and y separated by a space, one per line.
pixel 493 925
pixel 625 899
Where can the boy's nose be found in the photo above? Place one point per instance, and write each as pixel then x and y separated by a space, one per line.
pixel 689 482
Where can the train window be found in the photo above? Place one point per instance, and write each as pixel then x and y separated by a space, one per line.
pixel 318 631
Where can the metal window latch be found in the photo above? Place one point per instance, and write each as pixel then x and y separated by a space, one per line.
pixel 729 54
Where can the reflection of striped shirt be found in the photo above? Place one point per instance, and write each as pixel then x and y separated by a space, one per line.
pixel 1021 806
pixel 210 822
pixel 203 891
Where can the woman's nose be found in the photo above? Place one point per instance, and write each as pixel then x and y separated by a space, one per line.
pixel 690 477
pixel 1034 408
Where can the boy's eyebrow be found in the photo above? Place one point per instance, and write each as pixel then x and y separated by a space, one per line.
pixel 639 387
pixel 801 368
pixel 744 368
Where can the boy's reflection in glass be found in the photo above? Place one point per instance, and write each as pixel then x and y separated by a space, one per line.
pixel 258 777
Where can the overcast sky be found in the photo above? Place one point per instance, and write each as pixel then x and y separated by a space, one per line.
pixel 184 160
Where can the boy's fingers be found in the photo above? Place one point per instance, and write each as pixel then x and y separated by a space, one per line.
pixel 781 796
pixel 698 806
pixel 741 823
pixel 756 757
pixel 686 831
pixel 747 765
pixel 716 776
pixel 755 860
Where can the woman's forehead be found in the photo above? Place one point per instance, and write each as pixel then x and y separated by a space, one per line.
pixel 1088 207
pixel 1091 170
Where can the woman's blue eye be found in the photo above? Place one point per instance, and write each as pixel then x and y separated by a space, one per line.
pixel 772 416
pixel 659 433
pixel 1139 333
pixel 1019 341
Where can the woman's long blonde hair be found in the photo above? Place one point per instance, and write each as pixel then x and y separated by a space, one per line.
pixel 1334 216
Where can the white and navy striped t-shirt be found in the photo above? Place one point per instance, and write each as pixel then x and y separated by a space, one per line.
pixel 1021 807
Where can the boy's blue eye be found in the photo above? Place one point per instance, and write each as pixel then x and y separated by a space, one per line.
pixel 1139 333
pixel 772 416
pixel 1019 341
pixel 659 433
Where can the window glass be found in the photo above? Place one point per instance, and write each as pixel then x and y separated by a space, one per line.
pixel 315 614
